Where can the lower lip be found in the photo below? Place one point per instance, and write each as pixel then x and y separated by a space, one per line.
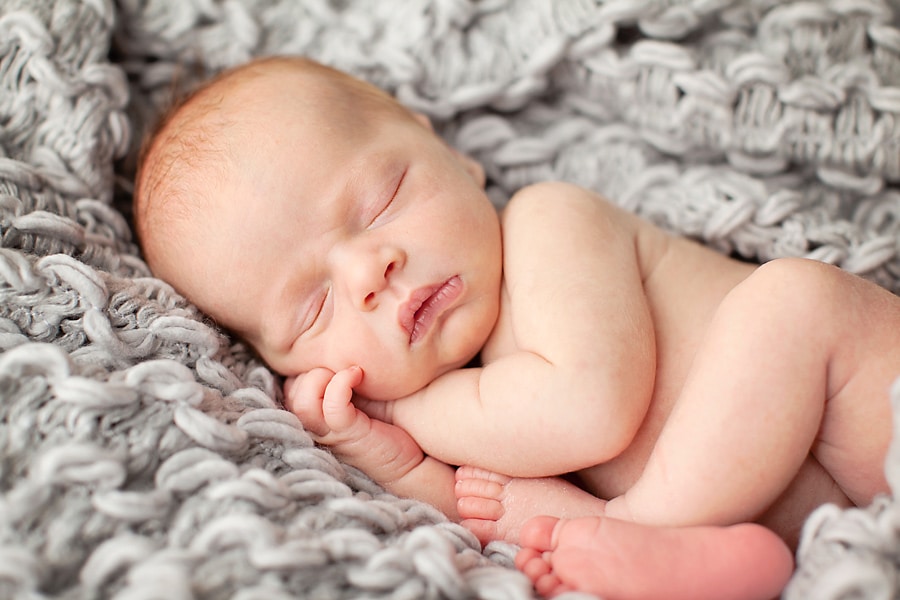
pixel 434 307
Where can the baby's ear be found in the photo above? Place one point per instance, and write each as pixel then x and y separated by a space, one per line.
pixel 472 166
pixel 423 120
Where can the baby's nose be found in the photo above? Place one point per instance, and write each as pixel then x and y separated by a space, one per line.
pixel 369 273
pixel 378 284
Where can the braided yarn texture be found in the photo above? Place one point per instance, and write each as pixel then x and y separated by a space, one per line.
pixel 145 454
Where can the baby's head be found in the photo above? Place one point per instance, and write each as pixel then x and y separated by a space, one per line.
pixel 311 214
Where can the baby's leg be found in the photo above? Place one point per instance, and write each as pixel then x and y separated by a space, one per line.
pixel 620 559
pixel 495 506
pixel 798 358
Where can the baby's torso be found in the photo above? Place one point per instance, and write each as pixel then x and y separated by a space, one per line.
pixel 684 284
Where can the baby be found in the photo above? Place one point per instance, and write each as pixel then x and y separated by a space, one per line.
pixel 680 391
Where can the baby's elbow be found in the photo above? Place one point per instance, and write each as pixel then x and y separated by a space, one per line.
pixel 615 436
pixel 618 408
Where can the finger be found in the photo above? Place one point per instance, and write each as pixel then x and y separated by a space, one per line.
pixel 354 375
pixel 337 408
pixel 305 399
pixel 288 399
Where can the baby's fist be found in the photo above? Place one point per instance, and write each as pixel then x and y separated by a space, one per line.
pixel 321 399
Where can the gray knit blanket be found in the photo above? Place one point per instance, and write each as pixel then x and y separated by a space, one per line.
pixel 144 454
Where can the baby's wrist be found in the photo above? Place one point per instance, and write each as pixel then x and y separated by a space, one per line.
pixel 431 481
pixel 403 468
pixel 386 459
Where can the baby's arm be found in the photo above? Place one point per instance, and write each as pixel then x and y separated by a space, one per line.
pixel 386 453
pixel 577 385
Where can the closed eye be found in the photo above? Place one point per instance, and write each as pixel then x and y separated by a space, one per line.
pixel 311 321
pixel 382 213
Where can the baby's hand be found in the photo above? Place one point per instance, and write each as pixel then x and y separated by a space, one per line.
pixel 322 399
pixel 324 402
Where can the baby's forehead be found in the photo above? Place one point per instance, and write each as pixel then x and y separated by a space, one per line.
pixel 209 133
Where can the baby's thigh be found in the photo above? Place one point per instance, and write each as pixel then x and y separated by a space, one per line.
pixel 843 325
pixel 851 326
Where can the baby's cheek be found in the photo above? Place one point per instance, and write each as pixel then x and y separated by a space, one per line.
pixel 372 389
pixel 285 364
pixel 384 385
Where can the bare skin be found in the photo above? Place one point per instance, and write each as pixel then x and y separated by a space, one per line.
pixel 648 563
pixel 842 465
pixel 360 257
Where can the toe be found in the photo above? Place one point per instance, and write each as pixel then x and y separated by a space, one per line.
pixel 532 563
pixel 478 488
pixel 524 556
pixel 485 530
pixel 550 585
pixel 474 507
pixel 537 533
pixel 470 472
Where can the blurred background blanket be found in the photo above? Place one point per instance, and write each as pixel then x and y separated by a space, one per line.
pixel 144 454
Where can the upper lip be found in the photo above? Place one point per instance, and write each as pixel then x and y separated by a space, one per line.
pixel 409 312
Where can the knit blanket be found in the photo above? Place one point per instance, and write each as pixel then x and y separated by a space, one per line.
pixel 145 454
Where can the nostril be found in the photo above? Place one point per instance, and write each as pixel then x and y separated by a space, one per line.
pixel 388 270
pixel 370 297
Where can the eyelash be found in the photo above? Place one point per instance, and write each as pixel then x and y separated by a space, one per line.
pixel 391 200
pixel 316 316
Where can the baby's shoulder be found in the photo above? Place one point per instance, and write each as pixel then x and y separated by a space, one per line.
pixel 557 200
pixel 559 210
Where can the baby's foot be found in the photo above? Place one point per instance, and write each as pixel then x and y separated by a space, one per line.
pixel 495 506
pixel 620 559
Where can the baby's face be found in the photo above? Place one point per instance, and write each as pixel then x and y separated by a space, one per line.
pixel 345 235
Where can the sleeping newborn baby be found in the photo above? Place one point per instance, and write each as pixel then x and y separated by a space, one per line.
pixel 680 391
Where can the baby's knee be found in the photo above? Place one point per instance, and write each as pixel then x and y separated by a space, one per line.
pixel 802 276
pixel 794 286
pixel 790 301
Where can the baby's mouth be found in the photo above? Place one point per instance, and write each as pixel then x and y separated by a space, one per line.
pixel 426 304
